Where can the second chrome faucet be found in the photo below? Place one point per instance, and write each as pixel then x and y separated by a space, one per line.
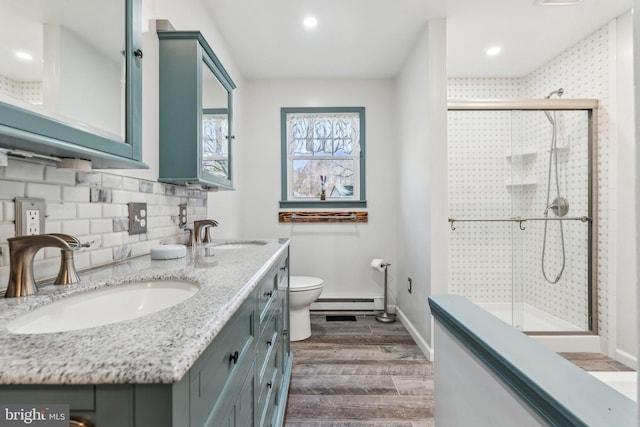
pixel 195 235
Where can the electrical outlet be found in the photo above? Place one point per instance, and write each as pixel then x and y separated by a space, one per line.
pixel 409 284
pixel 137 218
pixel 182 216
pixel 29 216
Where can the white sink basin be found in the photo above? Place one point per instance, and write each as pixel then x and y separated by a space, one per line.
pixel 238 245
pixel 103 306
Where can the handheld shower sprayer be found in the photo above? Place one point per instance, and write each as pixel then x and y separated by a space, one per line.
pixel 559 93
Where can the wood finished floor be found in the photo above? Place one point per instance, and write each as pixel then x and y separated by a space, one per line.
pixel 359 374
pixel 370 374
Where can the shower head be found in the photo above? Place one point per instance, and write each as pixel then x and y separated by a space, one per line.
pixel 558 92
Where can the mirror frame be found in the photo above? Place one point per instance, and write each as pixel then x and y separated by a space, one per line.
pixel 210 59
pixel 25 130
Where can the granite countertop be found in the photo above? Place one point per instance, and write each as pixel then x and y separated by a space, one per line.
pixel 158 348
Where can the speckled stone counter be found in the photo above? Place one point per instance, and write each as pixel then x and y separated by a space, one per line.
pixel 157 348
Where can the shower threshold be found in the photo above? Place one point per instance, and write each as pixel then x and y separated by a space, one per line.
pixel 550 331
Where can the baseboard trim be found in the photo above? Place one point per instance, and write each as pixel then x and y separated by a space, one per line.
pixel 420 341
pixel 627 359
pixel 354 304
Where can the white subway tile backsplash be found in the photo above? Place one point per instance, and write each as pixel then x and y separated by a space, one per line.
pixel 42 191
pixel 78 227
pixel 25 171
pixel 75 194
pixel 7 231
pixel 92 179
pixel 111 181
pixel 53 175
pixel 8 211
pixel 110 210
pixel 110 240
pixel 93 207
pixel 101 226
pixel 61 211
pixel 89 210
pixel 101 256
pixel 130 184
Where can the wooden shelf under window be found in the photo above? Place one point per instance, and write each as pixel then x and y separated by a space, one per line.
pixel 323 216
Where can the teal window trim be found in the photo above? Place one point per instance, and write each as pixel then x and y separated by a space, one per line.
pixel 321 204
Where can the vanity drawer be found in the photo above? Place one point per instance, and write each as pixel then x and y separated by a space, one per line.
pixel 266 294
pixel 266 345
pixel 267 399
pixel 283 273
pixel 227 357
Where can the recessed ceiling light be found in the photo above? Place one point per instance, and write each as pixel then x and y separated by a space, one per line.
pixel 493 51
pixel 557 2
pixel 24 55
pixel 310 22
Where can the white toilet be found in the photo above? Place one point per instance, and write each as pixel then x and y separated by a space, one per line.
pixel 303 291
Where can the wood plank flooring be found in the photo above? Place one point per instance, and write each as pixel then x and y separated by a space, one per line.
pixel 359 374
pixel 370 374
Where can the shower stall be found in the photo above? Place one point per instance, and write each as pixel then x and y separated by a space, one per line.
pixel 521 203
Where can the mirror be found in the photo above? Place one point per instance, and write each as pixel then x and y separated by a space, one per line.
pixel 215 125
pixel 65 59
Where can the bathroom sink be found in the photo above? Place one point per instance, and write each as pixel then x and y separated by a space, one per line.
pixel 103 306
pixel 238 244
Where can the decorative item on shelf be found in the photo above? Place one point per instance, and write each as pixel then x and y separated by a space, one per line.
pixel 323 186
pixel 315 216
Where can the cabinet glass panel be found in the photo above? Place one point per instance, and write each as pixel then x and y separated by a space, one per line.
pixel 215 126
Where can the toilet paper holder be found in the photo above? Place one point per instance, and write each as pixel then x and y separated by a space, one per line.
pixel 382 265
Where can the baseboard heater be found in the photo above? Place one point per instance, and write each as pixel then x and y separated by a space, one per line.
pixel 364 304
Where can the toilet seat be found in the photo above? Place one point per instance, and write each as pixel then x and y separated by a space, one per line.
pixel 304 283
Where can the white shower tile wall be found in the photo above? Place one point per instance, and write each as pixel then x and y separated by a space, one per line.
pixel 93 207
pixel 583 72
pixel 26 91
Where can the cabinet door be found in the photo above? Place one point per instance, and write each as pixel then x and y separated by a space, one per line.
pixel 195 112
pixel 244 407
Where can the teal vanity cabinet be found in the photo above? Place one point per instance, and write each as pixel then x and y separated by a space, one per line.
pixel 77 93
pixel 240 380
pixel 195 113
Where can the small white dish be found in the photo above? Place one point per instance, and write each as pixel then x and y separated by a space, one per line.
pixel 168 252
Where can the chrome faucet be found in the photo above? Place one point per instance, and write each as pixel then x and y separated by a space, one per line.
pixel 22 251
pixel 205 224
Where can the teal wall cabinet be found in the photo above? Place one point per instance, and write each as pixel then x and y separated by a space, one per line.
pixel 196 113
pixel 241 380
pixel 82 95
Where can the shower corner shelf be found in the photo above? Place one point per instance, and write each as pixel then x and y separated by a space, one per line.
pixel 525 153
pixel 525 184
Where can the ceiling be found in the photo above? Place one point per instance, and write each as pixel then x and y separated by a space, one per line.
pixel 372 38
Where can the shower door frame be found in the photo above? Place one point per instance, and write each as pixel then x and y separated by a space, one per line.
pixel 591 107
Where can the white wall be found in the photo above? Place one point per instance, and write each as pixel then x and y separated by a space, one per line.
pixel 421 106
pixel 625 339
pixel 338 253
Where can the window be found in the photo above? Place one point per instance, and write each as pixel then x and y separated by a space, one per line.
pixel 323 157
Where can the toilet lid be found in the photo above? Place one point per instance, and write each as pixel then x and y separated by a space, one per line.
pixel 304 283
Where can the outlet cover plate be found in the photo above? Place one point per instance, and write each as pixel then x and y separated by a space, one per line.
pixel 137 218
pixel 30 214
pixel 182 216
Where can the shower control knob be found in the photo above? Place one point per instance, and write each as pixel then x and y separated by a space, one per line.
pixel 268 294
pixel 233 357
